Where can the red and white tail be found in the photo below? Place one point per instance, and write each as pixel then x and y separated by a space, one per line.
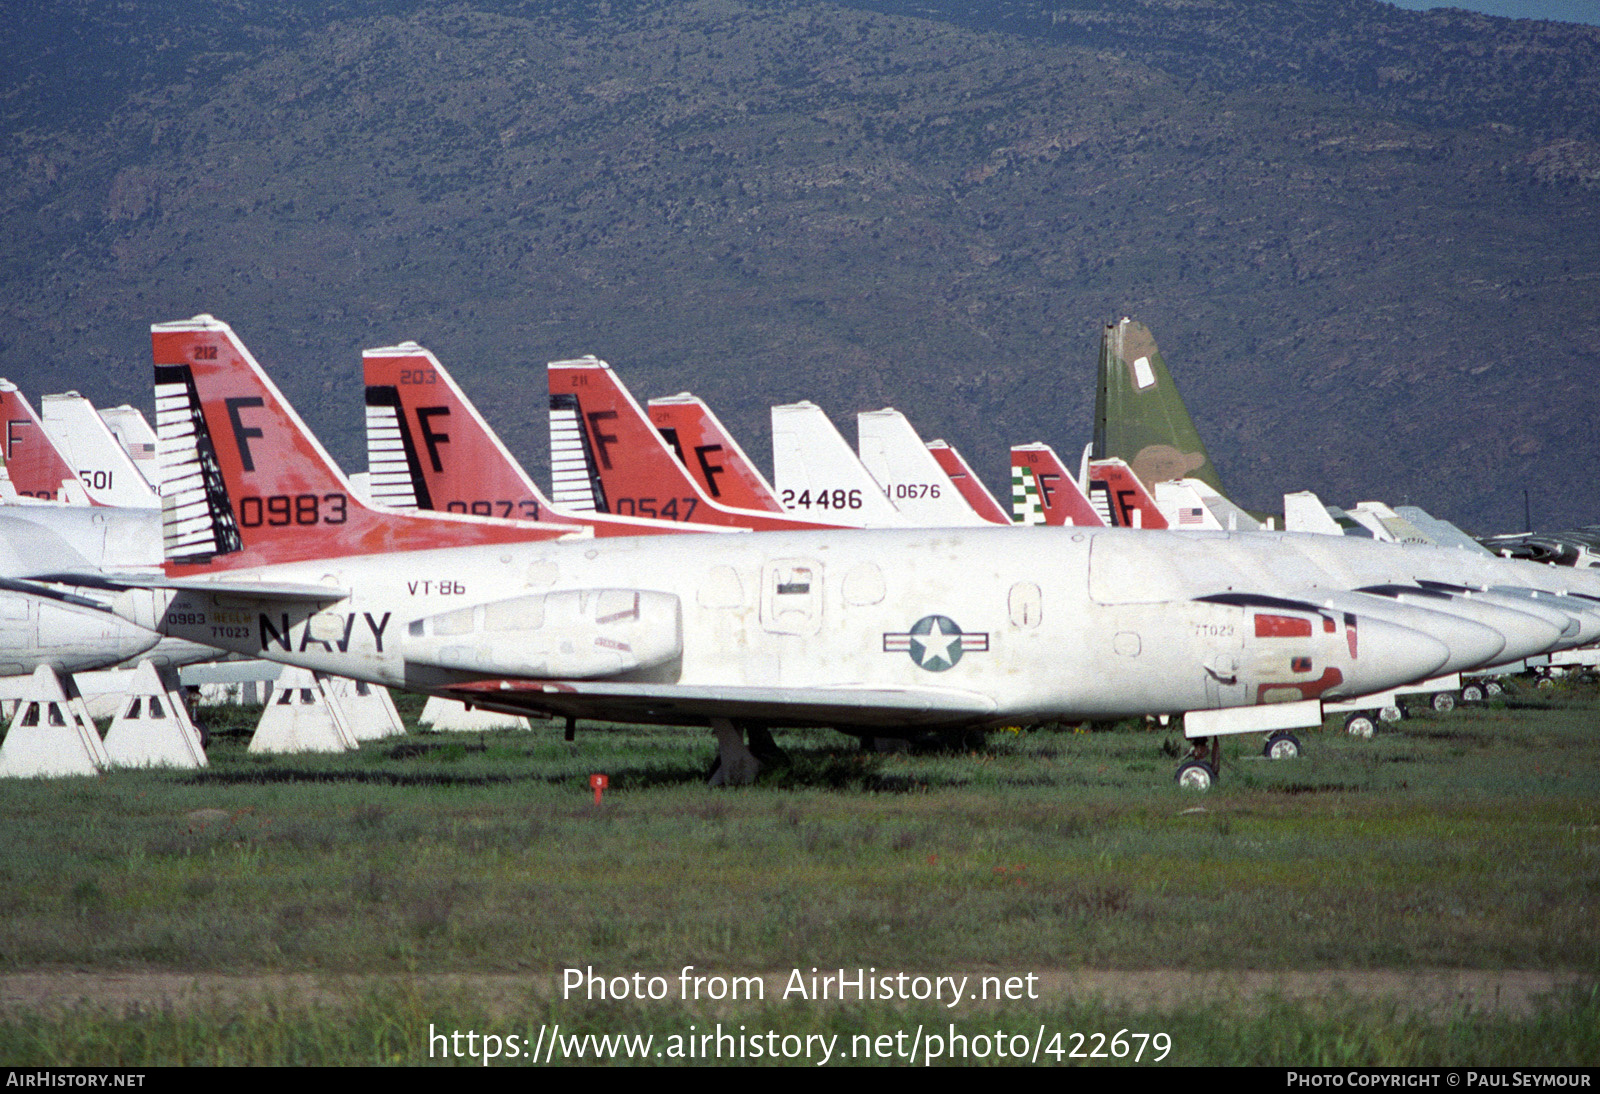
pixel 605 457
pixel 709 453
pixel 1044 492
pixel 1120 498
pixel 36 468
pixel 244 483
pixel 971 487
pixel 429 448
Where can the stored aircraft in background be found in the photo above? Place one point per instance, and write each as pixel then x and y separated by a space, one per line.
pixel 1043 491
pixel 34 468
pixel 960 473
pixel 606 456
pixel 708 452
pixel 862 630
pixel 1140 415
pixel 428 448
pixel 714 459
pixel 816 472
pixel 909 474
pixel 102 465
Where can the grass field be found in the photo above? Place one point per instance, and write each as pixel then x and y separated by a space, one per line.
pixel 1467 842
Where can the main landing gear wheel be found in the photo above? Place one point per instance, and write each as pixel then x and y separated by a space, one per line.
pixel 1443 702
pixel 1391 714
pixel 1282 745
pixel 1202 766
pixel 1473 694
pixel 1361 725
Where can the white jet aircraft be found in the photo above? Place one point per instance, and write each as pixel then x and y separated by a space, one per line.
pixel 269 554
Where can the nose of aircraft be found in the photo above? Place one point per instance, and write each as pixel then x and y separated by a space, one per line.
pixel 1390 656
pixel 1525 634
pixel 1586 613
pixel 1471 644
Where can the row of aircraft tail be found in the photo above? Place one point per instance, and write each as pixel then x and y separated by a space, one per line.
pixel 881 590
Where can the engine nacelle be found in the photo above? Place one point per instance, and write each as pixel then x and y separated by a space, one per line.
pixel 578 634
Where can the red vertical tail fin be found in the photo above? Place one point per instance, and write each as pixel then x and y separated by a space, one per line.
pixel 971 487
pixel 1120 497
pixel 244 483
pixel 1044 492
pixel 710 454
pixel 429 448
pixel 36 466
pixel 606 457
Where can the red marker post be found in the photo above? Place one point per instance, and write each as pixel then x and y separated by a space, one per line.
pixel 598 784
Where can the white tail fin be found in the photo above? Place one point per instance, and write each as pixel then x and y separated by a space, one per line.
pixel 135 436
pixel 908 473
pixel 817 475
pixel 1183 507
pixel 1304 512
pixel 109 475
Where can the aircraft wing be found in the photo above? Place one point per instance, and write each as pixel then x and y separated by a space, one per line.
pixel 33 588
pixel 679 704
pixel 256 590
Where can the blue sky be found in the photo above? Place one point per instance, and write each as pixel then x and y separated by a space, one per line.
pixel 1571 11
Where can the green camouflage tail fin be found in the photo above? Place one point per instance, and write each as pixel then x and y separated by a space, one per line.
pixel 1139 416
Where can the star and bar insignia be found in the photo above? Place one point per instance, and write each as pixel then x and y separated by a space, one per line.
pixel 935 643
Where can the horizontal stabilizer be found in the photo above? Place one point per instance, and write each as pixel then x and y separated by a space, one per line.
pixel 257 590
